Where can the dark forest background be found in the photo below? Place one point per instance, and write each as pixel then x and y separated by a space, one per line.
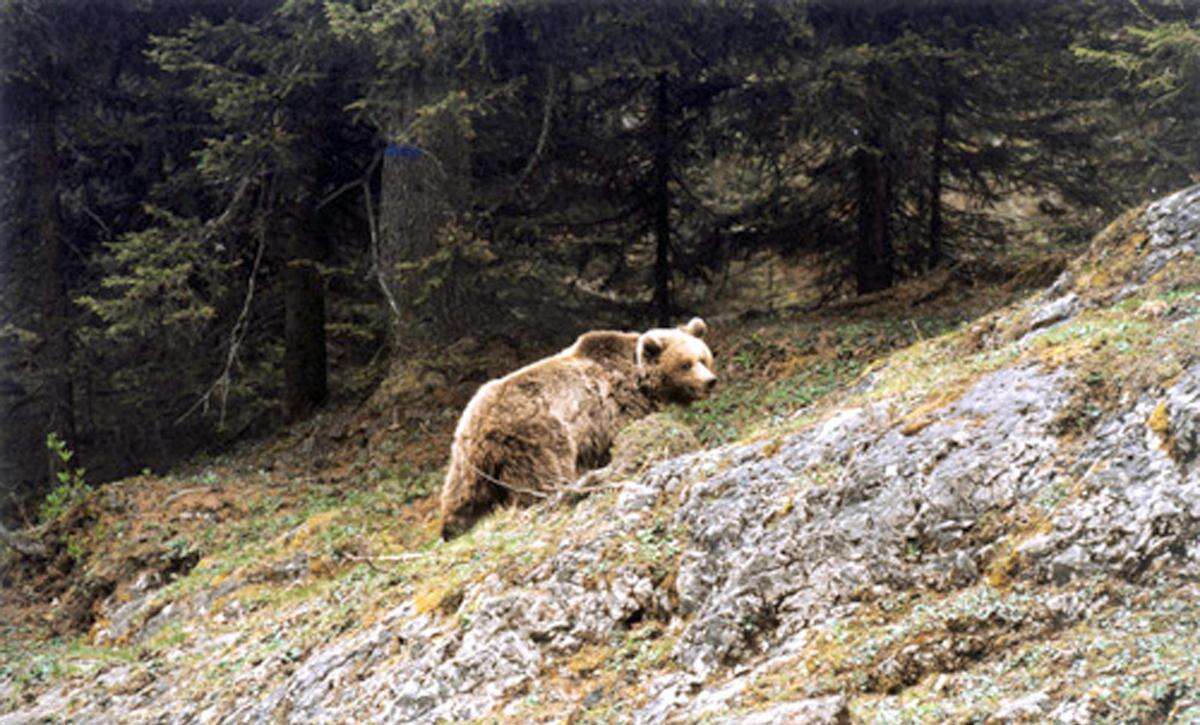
pixel 219 216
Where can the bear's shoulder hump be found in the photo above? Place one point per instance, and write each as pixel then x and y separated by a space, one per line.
pixel 606 345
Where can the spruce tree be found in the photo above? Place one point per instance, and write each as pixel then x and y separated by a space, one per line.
pixel 275 87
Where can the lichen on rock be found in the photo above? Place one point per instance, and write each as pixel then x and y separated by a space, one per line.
pixel 860 566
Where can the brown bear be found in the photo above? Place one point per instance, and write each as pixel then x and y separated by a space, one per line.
pixel 541 427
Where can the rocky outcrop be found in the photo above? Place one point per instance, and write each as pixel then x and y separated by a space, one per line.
pixel 819 574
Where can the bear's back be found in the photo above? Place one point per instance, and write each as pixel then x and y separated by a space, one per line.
pixel 567 388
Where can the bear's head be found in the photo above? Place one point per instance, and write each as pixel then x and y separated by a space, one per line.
pixel 676 365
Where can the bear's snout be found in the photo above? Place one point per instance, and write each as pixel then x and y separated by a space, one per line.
pixel 707 381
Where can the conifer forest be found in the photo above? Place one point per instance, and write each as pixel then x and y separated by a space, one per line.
pixel 599 361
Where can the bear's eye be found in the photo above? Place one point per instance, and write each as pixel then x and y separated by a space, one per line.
pixel 686 366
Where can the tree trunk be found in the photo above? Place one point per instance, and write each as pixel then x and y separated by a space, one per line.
pixel 662 205
pixel 934 253
pixel 305 373
pixel 55 353
pixel 425 185
pixel 874 256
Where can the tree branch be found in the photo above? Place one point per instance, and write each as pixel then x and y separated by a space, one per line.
pixel 377 267
pixel 236 336
pixel 547 114
pixel 362 180
pixel 215 225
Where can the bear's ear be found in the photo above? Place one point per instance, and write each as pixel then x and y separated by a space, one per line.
pixel 696 328
pixel 649 348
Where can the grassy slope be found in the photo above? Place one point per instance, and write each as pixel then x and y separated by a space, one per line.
pixel 290 543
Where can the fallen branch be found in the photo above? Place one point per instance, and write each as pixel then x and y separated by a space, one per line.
pixel 589 483
pixel 185 492
pixel 509 486
pixel 386 557
pixel 23 545
pixel 593 482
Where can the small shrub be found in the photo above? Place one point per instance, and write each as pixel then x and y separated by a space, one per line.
pixel 70 487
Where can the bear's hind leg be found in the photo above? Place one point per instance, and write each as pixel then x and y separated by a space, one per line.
pixel 538 460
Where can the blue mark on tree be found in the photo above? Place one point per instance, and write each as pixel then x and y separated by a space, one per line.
pixel 402 151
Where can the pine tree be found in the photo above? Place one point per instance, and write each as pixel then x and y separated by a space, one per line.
pixel 588 123
pixel 1151 68
pixel 908 106
pixel 656 93
pixel 61 73
pixel 275 86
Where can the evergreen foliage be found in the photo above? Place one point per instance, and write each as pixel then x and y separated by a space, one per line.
pixel 217 214
pixel 1153 62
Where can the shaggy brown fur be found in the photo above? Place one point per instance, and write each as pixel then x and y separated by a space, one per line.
pixel 539 428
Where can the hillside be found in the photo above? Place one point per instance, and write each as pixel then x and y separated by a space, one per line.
pixel 947 505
